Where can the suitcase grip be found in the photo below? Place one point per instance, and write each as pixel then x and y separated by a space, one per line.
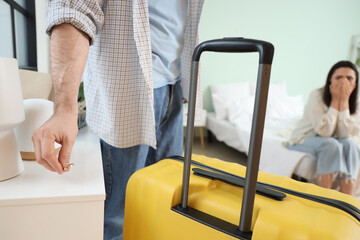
pixel 266 52
pixel 233 44
pixel 239 182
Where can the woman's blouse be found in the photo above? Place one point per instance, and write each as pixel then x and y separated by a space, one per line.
pixel 321 120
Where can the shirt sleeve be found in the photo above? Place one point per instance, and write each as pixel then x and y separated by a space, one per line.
pixel 348 125
pixel 86 15
pixel 323 119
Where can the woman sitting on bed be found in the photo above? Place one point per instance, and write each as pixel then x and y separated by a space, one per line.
pixel 331 117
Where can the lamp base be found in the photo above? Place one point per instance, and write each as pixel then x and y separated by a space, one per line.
pixel 30 156
pixel 10 160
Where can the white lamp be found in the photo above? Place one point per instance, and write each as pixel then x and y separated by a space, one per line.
pixel 37 112
pixel 11 114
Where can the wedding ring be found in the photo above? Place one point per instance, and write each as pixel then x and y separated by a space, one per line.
pixel 68 167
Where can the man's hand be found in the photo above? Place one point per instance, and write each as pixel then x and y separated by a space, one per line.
pixel 60 128
pixel 68 50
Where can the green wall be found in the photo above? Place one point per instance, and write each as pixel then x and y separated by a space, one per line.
pixel 309 37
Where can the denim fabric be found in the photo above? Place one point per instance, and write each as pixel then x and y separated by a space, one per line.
pixel 340 156
pixel 120 163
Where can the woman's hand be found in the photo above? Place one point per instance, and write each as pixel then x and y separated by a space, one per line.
pixel 336 93
pixel 336 90
pixel 347 88
pixel 343 83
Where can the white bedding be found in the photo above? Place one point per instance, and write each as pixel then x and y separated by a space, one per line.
pixel 231 123
pixel 275 158
pixel 234 103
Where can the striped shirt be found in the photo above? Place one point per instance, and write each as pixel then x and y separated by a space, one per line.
pixel 118 77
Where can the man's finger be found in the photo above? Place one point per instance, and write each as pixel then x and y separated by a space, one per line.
pixel 65 153
pixel 46 165
pixel 48 154
pixel 39 159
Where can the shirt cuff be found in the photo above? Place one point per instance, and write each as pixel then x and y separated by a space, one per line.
pixel 344 114
pixel 59 15
pixel 332 111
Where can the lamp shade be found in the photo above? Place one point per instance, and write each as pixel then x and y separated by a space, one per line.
pixel 37 112
pixel 11 114
pixel 11 100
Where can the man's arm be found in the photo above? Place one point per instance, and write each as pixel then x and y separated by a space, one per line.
pixel 69 50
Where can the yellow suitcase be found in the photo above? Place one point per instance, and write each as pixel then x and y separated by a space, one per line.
pixel 197 197
pixel 153 191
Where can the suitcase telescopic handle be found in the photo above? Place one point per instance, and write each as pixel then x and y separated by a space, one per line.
pixel 266 52
pixel 236 44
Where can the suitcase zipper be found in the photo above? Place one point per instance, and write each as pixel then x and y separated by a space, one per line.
pixel 344 206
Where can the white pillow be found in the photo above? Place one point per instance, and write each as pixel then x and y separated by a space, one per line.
pixel 220 107
pixel 277 90
pixel 232 100
pixel 222 94
pixel 241 111
pixel 285 107
pixel 252 87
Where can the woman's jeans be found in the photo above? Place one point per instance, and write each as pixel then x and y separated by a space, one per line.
pixel 120 163
pixel 333 155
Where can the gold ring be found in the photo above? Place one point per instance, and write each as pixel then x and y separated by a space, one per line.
pixel 68 167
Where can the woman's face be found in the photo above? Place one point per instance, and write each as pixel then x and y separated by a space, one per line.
pixel 344 74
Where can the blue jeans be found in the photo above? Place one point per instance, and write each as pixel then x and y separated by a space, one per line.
pixel 333 155
pixel 120 163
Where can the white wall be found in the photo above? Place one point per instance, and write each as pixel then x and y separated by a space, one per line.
pixel 309 37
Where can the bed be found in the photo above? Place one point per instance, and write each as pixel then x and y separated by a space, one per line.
pixel 231 123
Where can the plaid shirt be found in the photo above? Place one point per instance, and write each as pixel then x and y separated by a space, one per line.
pixel 118 76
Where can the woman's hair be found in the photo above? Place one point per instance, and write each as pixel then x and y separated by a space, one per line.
pixel 354 94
